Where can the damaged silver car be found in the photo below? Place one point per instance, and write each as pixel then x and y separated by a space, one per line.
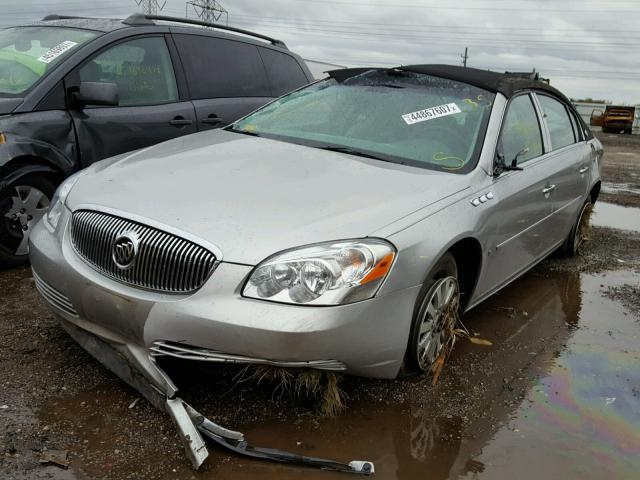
pixel 331 229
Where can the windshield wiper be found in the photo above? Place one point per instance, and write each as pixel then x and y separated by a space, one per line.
pixel 352 151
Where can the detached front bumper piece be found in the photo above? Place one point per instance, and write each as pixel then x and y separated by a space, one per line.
pixel 136 369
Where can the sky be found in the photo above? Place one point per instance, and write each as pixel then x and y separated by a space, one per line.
pixel 587 48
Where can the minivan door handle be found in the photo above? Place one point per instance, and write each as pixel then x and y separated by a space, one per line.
pixel 548 189
pixel 180 121
pixel 583 170
pixel 212 119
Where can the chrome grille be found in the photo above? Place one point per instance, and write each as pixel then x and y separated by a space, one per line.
pixel 53 296
pixel 164 262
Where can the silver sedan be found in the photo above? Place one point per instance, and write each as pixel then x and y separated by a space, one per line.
pixel 331 229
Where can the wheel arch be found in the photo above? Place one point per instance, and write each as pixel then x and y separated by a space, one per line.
pixel 24 165
pixel 595 192
pixel 467 253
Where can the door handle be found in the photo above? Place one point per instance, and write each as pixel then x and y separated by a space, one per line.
pixel 212 119
pixel 180 121
pixel 583 170
pixel 548 189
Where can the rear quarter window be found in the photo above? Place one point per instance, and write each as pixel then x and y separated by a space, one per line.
pixel 220 68
pixel 283 71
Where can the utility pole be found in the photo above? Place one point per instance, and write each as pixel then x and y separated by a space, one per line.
pixel 464 57
pixel 208 10
pixel 150 7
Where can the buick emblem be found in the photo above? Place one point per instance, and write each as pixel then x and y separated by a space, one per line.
pixel 125 250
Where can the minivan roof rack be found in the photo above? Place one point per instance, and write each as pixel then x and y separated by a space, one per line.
pixel 141 19
pixel 60 17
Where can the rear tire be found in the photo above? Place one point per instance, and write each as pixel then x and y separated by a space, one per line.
pixel 22 203
pixel 426 335
pixel 578 234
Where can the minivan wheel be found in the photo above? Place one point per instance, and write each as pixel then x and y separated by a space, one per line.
pixel 439 295
pixel 579 233
pixel 22 204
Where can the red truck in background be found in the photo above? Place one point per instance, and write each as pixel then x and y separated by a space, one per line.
pixel 614 119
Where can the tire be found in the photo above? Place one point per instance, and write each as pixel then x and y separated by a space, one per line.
pixel 440 277
pixel 22 203
pixel 577 236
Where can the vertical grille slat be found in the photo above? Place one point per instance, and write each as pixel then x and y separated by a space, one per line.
pixel 165 262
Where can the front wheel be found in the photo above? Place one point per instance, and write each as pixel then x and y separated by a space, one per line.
pixel 437 307
pixel 22 203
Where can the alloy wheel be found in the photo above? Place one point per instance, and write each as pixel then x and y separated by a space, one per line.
pixel 435 311
pixel 28 205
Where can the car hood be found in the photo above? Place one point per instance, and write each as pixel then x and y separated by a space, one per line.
pixel 252 197
pixel 8 105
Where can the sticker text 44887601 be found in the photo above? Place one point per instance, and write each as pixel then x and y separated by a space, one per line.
pixel 430 113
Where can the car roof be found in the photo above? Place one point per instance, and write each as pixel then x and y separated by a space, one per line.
pixel 506 84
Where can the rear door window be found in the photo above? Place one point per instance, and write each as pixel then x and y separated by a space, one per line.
pixel 558 122
pixel 283 71
pixel 521 132
pixel 141 68
pixel 220 68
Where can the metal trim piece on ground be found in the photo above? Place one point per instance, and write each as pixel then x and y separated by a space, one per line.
pixel 189 423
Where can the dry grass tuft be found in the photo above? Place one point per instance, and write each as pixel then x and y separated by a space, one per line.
pixel 454 329
pixel 319 385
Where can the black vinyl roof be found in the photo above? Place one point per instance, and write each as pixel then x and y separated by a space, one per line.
pixel 506 84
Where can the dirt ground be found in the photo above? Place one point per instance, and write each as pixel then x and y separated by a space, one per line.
pixel 556 395
pixel 620 169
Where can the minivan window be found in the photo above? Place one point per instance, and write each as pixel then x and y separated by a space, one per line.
pixel 283 71
pixel 219 68
pixel 28 53
pixel 521 131
pixel 558 122
pixel 141 69
pixel 400 117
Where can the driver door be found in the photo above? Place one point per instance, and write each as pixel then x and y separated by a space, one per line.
pixel 521 207
pixel 149 110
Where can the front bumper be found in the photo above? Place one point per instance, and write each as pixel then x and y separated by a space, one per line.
pixel 367 338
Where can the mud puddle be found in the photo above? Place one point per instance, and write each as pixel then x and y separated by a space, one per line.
pixel 572 411
pixel 556 395
pixel 618 188
pixel 616 216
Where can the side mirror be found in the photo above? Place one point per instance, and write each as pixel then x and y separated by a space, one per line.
pixel 96 93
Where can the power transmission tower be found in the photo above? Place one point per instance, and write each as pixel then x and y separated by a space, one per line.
pixel 150 7
pixel 208 10
pixel 464 57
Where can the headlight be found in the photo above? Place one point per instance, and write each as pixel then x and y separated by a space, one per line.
pixel 56 207
pixel 325 274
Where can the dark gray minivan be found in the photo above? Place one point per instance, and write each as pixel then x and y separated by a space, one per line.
pixel 77 90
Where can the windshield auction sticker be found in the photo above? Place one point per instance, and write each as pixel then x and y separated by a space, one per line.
pixel 430 113
pixel 54 52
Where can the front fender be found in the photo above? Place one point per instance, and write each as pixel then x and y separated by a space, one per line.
pixel 18 146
